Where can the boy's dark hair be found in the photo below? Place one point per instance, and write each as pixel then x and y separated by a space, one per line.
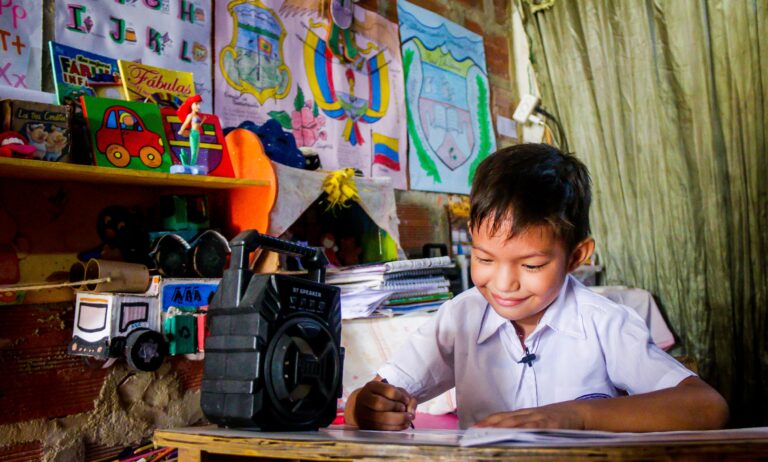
pixel 532 184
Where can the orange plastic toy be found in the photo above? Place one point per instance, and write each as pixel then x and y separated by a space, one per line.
pixel 250 206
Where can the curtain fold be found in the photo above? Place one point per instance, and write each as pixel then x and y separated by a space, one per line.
pixel 667 103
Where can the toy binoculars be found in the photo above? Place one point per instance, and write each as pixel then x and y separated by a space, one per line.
pixel 206 256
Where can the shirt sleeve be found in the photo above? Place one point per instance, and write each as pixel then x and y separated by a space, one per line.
pixel 423 366
pixel 635 364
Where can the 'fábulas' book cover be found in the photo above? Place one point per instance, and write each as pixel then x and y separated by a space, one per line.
pixel 149 84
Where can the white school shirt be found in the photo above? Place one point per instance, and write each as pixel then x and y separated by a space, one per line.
pixel 586 347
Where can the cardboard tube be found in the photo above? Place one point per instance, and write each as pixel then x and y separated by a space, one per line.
pixel 77 274
pixel 123 277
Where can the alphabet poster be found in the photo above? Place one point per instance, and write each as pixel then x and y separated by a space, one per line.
pixel 171 34
pixel 21 43
pixel 448 105
pixel 336 85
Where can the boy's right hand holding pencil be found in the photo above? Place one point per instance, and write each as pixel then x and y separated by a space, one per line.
pixel 380 406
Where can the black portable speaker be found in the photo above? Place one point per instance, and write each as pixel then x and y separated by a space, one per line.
pixel 273 360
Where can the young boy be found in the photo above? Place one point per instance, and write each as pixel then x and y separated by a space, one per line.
pixel 530 346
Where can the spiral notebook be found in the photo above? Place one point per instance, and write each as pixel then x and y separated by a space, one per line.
pixel 389 270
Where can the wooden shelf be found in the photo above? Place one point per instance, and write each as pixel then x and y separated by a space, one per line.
pixel 42 170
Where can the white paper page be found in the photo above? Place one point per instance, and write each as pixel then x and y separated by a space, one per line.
pixel 361 304
pixel 527 437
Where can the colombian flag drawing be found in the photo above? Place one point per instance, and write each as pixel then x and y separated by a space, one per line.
pixel 385 151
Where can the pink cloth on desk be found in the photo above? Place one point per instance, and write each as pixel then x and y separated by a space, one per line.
pixel 448 421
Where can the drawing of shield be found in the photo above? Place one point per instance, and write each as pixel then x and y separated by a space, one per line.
pixel 444 114
pixel 253 61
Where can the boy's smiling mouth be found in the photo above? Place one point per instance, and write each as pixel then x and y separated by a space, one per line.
pixel 508 301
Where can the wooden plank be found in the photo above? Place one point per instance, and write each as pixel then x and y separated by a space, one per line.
pixel 41 170
pixel 190 455
pixel 339 449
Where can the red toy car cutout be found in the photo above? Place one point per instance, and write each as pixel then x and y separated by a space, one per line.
pixel 123 135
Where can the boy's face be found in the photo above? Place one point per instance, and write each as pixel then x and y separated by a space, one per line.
pixel 522 276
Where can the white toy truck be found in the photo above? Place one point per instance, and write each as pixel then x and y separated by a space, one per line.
pixel 144 328
pixel 112 325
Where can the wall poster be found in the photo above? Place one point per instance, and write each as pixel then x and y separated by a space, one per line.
pixel 21 28
pixel 336 85
pixel 448 106
pixel 171 34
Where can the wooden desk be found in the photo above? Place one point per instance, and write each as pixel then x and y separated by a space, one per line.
pixel 334 444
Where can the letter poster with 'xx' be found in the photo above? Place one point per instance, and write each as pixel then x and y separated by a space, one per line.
pixel 170 34
pixel 329 72
pixel 21 42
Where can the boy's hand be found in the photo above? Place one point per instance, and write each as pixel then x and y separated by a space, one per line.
pixel 381 406
pixel 560 415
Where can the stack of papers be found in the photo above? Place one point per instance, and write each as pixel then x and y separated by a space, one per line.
pixel 391 287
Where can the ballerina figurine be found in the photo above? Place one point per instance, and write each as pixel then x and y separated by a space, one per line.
pixel 192 126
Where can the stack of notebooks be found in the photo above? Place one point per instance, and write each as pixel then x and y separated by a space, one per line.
pixel 392 287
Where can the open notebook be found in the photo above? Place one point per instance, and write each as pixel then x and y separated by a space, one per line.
pixel 511 436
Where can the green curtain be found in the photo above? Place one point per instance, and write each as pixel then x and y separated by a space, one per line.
pixel 667 103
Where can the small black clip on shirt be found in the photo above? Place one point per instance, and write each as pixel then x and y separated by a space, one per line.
pixel 383 380
pixel 528 358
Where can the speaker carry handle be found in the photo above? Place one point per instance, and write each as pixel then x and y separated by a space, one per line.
pixel 247 242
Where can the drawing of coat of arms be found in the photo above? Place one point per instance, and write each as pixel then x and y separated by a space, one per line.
pixel 445 87
pixel 253 61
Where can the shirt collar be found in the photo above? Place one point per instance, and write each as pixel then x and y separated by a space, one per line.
pixel 491 323
pixel 562 315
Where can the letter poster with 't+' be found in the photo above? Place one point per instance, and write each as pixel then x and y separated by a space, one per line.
pixel 21 41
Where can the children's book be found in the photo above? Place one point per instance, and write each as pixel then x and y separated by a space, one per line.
pixel 164 87
pixel 78 72
pixel 126 134
pixel 46 127
pixel 212 157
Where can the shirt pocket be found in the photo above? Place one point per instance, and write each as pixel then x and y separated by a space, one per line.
pixel 582 392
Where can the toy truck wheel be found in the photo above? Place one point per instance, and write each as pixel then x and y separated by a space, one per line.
pixel 151 157
pixel 145 350
pixel 118 156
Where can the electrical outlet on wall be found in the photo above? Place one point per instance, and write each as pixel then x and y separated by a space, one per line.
pixel 527 105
